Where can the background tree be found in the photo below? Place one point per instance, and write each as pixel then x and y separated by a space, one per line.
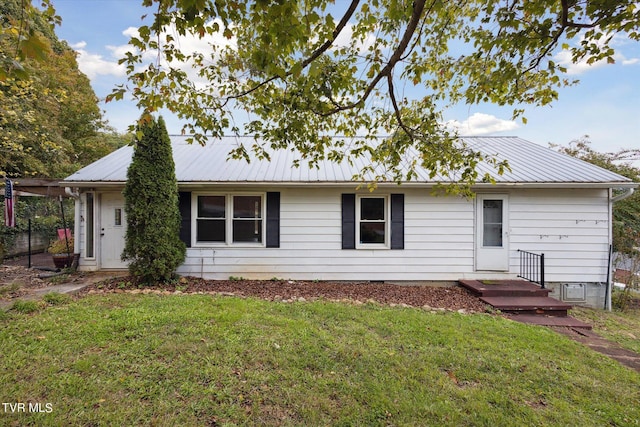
pixel 626 213
pixel 152 241
pixel 24 34
pixel 310 69
pixel 50 122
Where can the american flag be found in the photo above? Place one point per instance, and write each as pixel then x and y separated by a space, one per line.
pixel 9 204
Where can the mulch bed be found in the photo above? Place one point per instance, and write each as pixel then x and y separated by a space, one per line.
pixel 14 272
pixel 449 298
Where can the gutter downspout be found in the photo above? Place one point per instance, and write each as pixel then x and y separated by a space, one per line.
pixel 624 195
pixel 610 278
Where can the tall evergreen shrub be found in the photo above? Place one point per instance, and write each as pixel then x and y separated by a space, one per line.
pixel 152 243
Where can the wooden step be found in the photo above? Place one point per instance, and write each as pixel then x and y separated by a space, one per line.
pixel 524 302
pixel 497 288
pixel 558 321
pixel 528 305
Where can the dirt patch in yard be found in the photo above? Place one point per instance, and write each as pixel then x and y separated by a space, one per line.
pixel 450 298
pixel 16 281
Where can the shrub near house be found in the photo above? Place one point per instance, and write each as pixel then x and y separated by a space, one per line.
pixel 152 242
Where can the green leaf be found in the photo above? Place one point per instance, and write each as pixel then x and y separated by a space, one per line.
pixel 35 47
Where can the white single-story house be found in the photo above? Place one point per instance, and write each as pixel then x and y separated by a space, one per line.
pixel 266 219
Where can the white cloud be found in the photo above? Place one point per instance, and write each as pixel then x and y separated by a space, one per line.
pixel 94 65
pixel 630 61
pixel 574 68
pixel 482 124
pixel 131 32
pixel 188 45
pixel 345 39
pixel 564 58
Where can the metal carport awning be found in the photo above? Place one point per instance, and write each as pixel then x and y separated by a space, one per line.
pixel 38 187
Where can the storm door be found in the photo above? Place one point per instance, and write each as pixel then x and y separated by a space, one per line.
pixel 492 232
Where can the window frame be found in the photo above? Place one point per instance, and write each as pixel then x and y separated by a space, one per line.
pixel 486 225
pixel 228 219
pixel 211 219
pixel 387 222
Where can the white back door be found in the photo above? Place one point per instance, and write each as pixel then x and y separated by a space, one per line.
pixel 492 232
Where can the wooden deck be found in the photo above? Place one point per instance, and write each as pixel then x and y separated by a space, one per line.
pixel 524 302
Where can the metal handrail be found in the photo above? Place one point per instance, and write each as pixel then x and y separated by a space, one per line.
pixel 532 267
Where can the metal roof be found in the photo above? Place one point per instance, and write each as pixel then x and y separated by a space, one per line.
pixel 530 164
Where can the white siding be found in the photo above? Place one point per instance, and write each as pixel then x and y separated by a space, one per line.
pixel 571 227
pixel 438 243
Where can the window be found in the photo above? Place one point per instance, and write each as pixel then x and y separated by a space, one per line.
pixel 357 225
pixel 229 219
pixel 90 227
pixel 211 222
pixel 117 217
pixel 492 223
pixel 372 220
pixel 247 219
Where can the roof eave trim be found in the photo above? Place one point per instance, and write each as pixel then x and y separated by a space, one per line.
pixel 622 184
pixel 91 184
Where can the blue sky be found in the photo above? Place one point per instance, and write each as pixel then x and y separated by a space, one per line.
pixel 605 104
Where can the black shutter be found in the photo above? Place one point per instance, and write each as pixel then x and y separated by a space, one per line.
pixel 348 221
pixel 397 221
pixel 184 203
pixel 273 220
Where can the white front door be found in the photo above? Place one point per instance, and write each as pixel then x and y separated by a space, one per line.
pixel 492 232
pixel 112 230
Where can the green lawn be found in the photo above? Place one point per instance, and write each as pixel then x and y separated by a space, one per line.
pixel 124 359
